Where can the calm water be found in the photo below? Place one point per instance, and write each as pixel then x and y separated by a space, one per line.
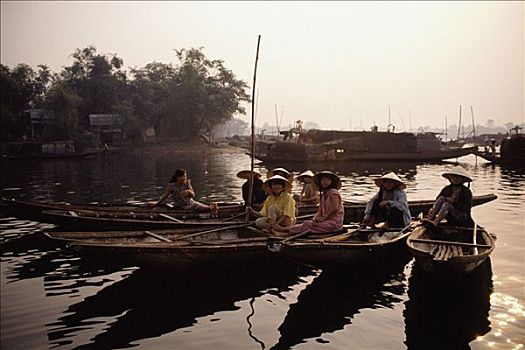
pixel 50 298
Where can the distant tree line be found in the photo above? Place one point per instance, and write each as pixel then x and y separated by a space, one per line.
pixel 179 101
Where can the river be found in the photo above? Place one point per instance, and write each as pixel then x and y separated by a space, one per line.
pixel 51 298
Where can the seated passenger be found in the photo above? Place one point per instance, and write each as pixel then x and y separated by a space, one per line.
pixel 182 194
pixel 389 204
pixel 310 191
pixel 454 202
pixel 258 193
pixel 329 216
pixel 278 210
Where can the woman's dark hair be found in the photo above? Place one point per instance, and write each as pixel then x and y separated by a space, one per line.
pixel 178 173
pixel 333 184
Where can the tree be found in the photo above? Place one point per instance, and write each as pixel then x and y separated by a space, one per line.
pixel 63 107
pixel 98 79
pixel 204 93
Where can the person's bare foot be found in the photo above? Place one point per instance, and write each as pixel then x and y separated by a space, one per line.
pixel 278 233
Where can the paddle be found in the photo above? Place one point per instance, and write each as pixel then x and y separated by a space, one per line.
pixel 154 235
pixel 211 231
pixel 474 238
pixel 166 216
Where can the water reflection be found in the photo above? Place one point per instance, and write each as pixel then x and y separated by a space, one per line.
pixel 330 302
pixel 447 313
pixel 148 304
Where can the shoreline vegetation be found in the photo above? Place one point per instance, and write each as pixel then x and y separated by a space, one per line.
pixel 98 102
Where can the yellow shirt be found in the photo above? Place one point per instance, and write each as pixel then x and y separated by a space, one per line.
pixel 283 201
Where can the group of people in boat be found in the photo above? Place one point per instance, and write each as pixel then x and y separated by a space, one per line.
pixel 275 208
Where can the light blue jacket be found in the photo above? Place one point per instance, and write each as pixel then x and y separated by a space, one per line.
pixel 398 201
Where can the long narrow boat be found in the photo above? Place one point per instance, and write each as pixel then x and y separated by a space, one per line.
pixel 235 245
pixel 450 248
pixel 357 249
pixel 354 211
pixel 104 221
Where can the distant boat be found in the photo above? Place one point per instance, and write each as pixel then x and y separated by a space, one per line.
pixel 313 146
pixel 512 150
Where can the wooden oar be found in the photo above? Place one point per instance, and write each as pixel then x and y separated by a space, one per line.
pixel 461 244
pixel 233 217
pixel 213 230
pixel 474 234
pixel 170 217
pixel 154 235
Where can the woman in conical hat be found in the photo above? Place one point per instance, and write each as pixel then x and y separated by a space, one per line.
pixel 182 194
pixel 389 204
pixel 329 216
pixel 258 193
pixel 278 210
pixel 454 202
pixel 310 191
pixel 282 172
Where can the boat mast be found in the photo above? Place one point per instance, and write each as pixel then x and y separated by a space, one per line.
pixel 473 126
pixel 459 124
pixel 250 193
pixel 446 130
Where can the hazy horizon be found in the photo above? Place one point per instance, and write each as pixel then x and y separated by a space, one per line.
pixel 339 64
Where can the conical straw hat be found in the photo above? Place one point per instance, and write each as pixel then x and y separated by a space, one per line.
pixel 245 174
pixel 335 178
pixel 287 184
pixel 459 171
pixel 278 170
pixel 307 173
pixel 391 176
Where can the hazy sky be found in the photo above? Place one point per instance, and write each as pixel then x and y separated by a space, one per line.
pixel 339 64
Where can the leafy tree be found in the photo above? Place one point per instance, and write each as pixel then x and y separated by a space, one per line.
pixel 204 93
pixel 98 79
pixel 63 106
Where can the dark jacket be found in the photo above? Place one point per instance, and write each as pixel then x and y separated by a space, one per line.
pixel 258 195
pixel 464 202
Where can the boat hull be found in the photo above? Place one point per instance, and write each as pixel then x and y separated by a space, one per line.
pixel 459 264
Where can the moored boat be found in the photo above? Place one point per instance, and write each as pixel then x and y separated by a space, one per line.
pixel 354 211
pixel 232 245
pixel 356 249
pixel 450 248
pixel 80 220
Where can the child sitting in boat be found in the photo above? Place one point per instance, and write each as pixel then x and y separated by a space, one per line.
pixel 310 192
pixel 329 216
pixel 279 208
pixel 389 204
pixel 182 194
pixel 454 201
pixel 258 193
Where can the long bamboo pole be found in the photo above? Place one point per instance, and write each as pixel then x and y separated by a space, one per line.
pixel 250 192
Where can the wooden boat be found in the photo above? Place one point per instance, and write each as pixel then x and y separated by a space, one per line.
pixel 450 248
pixel 512 150
pixel 80 220
pixel 233 245
pixel 354 211
pixel 33 210
pixel 356 249
pixel 320 146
